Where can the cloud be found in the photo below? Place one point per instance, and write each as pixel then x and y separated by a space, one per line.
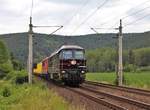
pixel 70 13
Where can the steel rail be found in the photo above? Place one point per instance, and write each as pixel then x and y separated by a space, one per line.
pixel 98 100
pixel 121 98
pixel 92 98
pixel 122 88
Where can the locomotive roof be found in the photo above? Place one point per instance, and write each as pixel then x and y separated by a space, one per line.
pixel 67 47
pixel 45 59
pixel 70 47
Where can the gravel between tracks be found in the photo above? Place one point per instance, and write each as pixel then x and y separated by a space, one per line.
pixel 76 100
pixel 134 96
pixel 81 102
pixel 116 101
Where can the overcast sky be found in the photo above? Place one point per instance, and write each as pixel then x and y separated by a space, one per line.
pixel 73 15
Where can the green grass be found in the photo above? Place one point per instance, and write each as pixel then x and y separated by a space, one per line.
pixel 22 96
pixel 101 77
pixel 30 97
pixel 139 80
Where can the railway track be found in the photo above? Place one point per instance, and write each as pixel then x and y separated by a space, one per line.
pixel 85 94
pixel 109 100
pixel 128 103
pixel 96 99
pixel 121 88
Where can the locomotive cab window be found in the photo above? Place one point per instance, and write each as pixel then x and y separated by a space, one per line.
pixel 66 54
pixel 72 54
pixel 78 54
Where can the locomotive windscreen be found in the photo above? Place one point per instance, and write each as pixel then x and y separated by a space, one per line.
pixel 67 54
pixel 78 54
pixel 72 54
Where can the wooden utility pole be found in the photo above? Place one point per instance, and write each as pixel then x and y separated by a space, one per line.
pixel 120 65
pixel 30 54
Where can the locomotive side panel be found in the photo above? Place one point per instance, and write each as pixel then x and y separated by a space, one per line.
pixel 45 66
pixel 38 69
pixel 53 67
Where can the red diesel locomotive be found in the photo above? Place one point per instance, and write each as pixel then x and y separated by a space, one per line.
pixel 67 64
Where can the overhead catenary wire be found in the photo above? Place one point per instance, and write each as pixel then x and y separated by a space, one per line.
pixel 143 3
pixel 94 30
pixel 124 17
pixel 45 26
pixel 56 30
pixel 135 12
pixel 33 26
pixel 133 22
pixel 68 21
pixel 88 17
pixel 78 11
pixel 106 28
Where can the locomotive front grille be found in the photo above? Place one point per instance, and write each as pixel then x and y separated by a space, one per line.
pixel 72 71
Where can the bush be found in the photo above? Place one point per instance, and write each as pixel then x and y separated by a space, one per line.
pixel 5 63
pixel 145 68
pixel 21 77
pixel 21 80
pixel 5 68
pixel 6 92
pixel 18 77
pixel 4 54
pixel 2 74
pixel 129 68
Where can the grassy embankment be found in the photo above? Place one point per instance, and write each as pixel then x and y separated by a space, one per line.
pixel 17 94
pixel 139 80
pixel 30 97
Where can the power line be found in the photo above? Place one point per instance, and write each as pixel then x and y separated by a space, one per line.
pixel 136 20
pixel 133 14
pixel 45 26
pixel 124 17
pixel 79 10
pixel 106 28
pixel 88 17
pixel 56 30
pixel 94 30
pixel 67 22
pixel 136 12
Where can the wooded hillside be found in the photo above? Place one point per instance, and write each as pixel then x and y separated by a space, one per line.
pixel 44 45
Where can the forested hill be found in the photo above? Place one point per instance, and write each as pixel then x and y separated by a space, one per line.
pixel 44 44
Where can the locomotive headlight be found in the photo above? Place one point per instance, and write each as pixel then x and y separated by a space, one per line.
pixel 82 71
pixel 63 71
pixel 73 62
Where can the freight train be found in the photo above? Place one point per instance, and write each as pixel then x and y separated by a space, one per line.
pixel 67 64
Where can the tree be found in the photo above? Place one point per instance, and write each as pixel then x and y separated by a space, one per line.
pixel 4 55
pixel 5 63
pixel 16 64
